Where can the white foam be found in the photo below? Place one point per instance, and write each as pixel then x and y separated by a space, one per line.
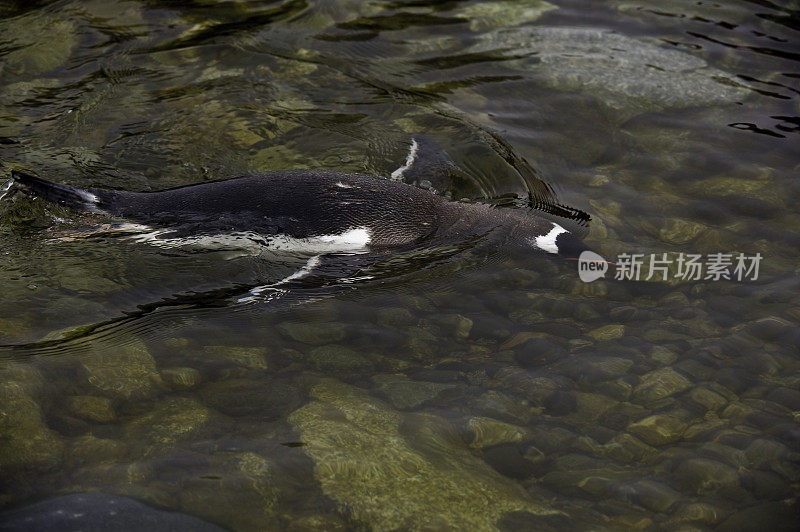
pixel 6 188
pixel 343 185
pixel 548 242
pixel 412 155
pixel 312 263
pixel 268 292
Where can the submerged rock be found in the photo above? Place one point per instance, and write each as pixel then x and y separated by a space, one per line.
pixel 395 317
pixel 252 398
pixel 407 394
pixel 658 429
pixel 652 495
pixel 707 477
pixel 317 333
pixel 173 419
pixel 497 405
pixel 491 14
pixel 25 440
pixel 123 371
pixel 246 357
pixel 391 470
pixel 98 512
pixel 629 75
pixel 92 408
pixel 339 361
pixel 35 43
pixel 659 384
pixel 181 378
pixel 607 332
pixel 235 481
pixel 487 432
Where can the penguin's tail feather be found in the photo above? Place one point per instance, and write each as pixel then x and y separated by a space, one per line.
pixel 66 195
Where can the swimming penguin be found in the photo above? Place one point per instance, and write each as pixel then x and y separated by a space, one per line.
pixel 319 212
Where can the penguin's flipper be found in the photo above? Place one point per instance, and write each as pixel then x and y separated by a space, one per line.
pixel 321 273
pixel 427 166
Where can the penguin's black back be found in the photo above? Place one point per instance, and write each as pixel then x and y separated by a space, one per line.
pixel 298 203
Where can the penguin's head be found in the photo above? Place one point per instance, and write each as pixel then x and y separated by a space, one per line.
pixel 561 242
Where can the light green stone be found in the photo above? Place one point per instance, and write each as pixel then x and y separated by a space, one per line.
pixel 487 432
pixel 172 420
pixel 389 471
pixel 628 75
pixel 704 397
pixel 659 384
pixel 607 332
pixel 92 408
pixel 40 43
pixel 25 440
pixel 125 371
pixel 407 394
pixel 181 378
pixel 246 357
pixel 658 429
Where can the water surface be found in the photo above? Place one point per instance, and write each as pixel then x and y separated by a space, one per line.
pixel 458 389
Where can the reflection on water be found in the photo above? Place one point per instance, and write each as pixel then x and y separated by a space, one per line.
pixel 452 388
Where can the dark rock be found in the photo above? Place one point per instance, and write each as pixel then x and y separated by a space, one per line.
pixel 261 399
pixel 538 351
pixel 766 485
pixel 515 521
pixel 785 396
pixel 406 394
pixel 98 512
pixel 772 516
pixel 497 405
pixel 769 328
pixel 735 379
pixel 339 361
pixel 561 403
pixel 507 460
pixel 707 477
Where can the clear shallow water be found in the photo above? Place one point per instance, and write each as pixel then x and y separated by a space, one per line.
pixel 459 390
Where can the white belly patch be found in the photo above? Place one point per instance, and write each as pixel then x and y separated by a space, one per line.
pixel 352 240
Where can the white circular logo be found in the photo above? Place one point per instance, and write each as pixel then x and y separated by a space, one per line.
pixel 591 266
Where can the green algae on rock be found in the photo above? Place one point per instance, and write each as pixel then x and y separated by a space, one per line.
pixel 389 470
